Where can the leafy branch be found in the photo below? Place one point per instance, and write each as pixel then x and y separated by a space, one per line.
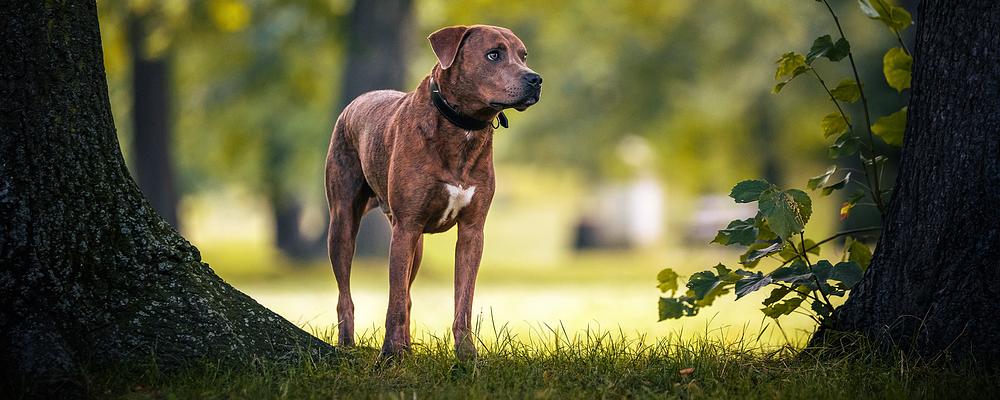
pixel 782 214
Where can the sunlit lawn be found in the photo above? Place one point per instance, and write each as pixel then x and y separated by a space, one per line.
pixel 529 279
pixel 607 291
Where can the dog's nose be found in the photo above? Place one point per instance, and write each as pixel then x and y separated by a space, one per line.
pixel 533 79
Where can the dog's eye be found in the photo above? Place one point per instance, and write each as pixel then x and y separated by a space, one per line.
pixel 493 55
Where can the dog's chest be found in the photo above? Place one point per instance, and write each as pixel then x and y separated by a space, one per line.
pixel 458 179
pixel 458 196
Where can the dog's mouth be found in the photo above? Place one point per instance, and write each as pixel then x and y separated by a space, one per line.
pixel 520 105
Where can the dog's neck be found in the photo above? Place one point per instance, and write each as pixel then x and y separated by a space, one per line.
pixel 468 117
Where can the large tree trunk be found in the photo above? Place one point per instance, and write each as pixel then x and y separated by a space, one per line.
pixel 934 283
pixel 376 59
pixel 151 146
pixel 92 276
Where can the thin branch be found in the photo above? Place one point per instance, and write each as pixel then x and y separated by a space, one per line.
pixel 836 235
pixel 805 256
pixel 864 101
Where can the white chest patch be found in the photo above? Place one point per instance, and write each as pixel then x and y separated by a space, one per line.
pixel 458 197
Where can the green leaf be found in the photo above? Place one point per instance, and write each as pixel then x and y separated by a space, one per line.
pixel 759 251
pixel 847 273
pixel 702 283
pixel 777 88
pixel 749 191
pixel 820 180
pixel 738 232
pixel 804 203
pixel 725 274
pixel 786 211
pixel 821 309
pixel 901 19
pixel 824 46
pixel 819 47
pixel 794 273
pixel 764 232
pixel 776 295
pixel 847 90
pixel 784 308
pixel 822 270
pixel 833 123
pixel 891 127
pixel 894 17
pixel 859 253
pixel 867 9
pixel 790 65
pixel 667 279
pixel 897 17
pixel 836 185
pixel 897 67
pixel 672 308
pixel 845 145
pixel 751 283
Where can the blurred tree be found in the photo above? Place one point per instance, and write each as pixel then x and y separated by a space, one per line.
pixel 377 33
pixel 932 284
pixel 260 116
pixel 151 114
pixel 92 277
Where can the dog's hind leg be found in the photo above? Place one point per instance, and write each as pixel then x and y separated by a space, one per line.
pixel 348 195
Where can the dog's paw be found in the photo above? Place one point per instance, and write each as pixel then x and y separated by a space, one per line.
pixel 392 352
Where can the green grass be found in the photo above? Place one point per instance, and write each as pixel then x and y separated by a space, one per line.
pixel 608 290
pixel 556 364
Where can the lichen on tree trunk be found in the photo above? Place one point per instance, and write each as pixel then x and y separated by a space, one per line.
pixel 934 282
pixel 91 276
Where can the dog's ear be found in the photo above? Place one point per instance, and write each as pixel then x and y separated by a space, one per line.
pixel 446 42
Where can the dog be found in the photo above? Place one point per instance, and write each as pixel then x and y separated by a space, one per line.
pixel 425 158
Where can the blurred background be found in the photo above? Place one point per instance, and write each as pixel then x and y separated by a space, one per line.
pixel 651 111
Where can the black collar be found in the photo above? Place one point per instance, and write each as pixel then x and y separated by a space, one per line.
pixel 461 120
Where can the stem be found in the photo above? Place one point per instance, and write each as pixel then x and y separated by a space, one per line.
pixel 836 235
pixel 901 44
pixel 877 193
pixel 819 285
pixel 833 99
pixel 850 127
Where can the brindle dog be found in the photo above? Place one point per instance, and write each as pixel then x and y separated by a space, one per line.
pixel 426 159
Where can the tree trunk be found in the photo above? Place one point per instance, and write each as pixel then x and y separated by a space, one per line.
pixel 376 59
pixel 151 146
pixel 92 277
pixel 933 285
pixel 286 207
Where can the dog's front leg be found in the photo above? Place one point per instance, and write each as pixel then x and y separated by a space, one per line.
pixel 468 253
pixel 397 337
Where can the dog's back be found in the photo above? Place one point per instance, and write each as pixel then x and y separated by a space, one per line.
pixel 361 128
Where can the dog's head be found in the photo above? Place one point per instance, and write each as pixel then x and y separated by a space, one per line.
pixel 485 65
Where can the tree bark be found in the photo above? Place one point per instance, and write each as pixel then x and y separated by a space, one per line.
pixel 151 128
pixel 934 282
pixel 376 59
pixel 92 277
